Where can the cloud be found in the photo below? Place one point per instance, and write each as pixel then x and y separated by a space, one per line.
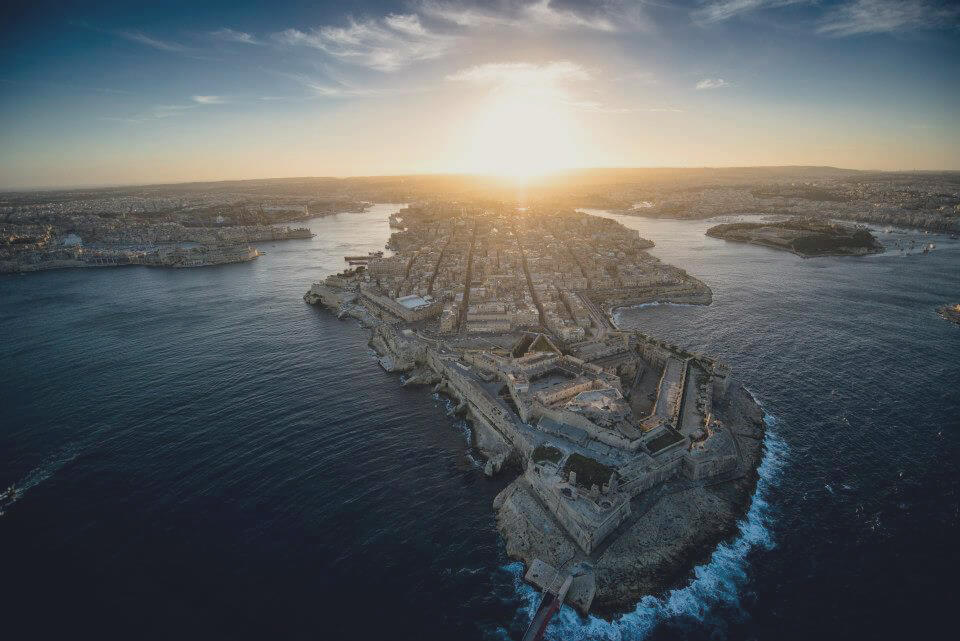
pixel 408 24
pixel 601 15
pixel 551 80
pixel 332 88
pixel 167 111
pixel 638 77
pixel 144 39
pixel 712 83
pixel 544 13
pixel 157 112
pixel 600 108
pixel 229 35
pixel 720 10
pixel 592 106
pixel 385 45
pixel 209 100
pixel 521 72
pixel 885 16
pixel 465 16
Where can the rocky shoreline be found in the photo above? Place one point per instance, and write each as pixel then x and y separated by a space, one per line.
pixel 667 536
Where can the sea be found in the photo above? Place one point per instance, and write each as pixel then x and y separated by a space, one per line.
pixel 202 455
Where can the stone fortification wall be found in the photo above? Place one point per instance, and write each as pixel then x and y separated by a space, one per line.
pixel 564 392
pixel 666 468
pixel 720 382
pixel 497 414
pixel 698 294
pixel 329 296
pixel 698 469
pixel 391 306
pixel 574 419
pixel 652 353
pixel 405 352
pixel 587 532
pixel 679 401
pixel 525 409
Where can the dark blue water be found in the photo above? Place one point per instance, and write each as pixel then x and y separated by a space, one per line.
pixel 205 456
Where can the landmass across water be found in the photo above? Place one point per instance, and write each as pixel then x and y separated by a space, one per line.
pixel 116 225
pixel 804 237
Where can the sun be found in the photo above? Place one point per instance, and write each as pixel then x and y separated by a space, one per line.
pixel 521 132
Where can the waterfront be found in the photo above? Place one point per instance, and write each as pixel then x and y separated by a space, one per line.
pixel 215 457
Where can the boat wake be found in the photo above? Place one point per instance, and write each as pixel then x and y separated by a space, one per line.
pixel 716 584
pixel 47 468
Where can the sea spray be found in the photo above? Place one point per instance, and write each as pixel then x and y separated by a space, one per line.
pixel 717 583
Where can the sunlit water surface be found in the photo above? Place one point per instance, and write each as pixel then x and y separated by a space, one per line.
pixel 205 456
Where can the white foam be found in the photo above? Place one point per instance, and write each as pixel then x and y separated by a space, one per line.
pixel 47 468
pixel 717 583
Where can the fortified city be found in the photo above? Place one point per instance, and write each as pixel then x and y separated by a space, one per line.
pixel 635 457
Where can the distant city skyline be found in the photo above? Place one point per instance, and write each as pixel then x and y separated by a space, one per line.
pixel 117 94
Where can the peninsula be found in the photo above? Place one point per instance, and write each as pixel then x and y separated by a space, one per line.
pixel 802 236
pixel 634 457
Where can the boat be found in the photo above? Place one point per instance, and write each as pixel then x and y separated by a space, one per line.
pixel 9 495
pixel 377 254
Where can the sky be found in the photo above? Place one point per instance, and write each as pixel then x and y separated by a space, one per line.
pixel 101 93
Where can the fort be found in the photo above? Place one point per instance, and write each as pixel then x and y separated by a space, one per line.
pixel 635 456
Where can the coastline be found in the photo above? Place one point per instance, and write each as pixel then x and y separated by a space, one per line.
pixel 170 258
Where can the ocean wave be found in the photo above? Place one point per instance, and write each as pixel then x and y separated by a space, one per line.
pixel 716 584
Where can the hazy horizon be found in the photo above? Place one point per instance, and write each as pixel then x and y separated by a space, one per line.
pixel 114 95
pixel 532 180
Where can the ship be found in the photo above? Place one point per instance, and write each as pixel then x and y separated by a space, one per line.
pixel 8 497
pixel 363 260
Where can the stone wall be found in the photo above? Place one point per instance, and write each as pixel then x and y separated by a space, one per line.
pixel 587 529
pixel 574 419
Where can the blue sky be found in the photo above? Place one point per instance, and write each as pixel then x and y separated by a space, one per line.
pixel 112 93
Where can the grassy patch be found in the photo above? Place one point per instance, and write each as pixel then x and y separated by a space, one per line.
pixel 546 453
pixel 663 441
pixel 589 471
